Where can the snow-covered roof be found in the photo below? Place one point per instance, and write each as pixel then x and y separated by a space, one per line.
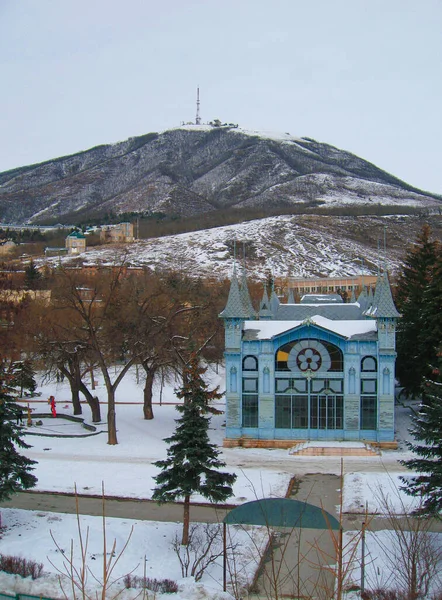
pixel 343 311
pixel 264 330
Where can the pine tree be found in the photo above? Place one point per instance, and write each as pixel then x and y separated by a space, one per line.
pixel 192 461
pixel 15 469
pixel 32 277
pixel 24 376
pixel 431 333
pixel 414 352
pixel 427 432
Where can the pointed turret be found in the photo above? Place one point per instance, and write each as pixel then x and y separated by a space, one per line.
pixel 291 297
pixel 274 302
pixel 265 311
pixel 373 299
pixel 383 305
pixel 245 297
pixel 363 300
pixel 353 297
pixel 235 307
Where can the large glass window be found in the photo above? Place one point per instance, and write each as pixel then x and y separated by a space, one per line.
pixel 309 355
pixel 368 412
pixel 300 403
pixel 250 410
pixel 291 412
pixel 326 412
pixel 283 412
pixel 250 401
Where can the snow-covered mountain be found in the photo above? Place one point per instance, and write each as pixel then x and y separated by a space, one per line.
pixel 282 246
pixel 192 170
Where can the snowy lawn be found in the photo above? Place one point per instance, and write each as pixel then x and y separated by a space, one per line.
pixel 149 553
pixel 127 470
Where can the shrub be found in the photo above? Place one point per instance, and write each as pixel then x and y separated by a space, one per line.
pixel 162 586
pixel 15 565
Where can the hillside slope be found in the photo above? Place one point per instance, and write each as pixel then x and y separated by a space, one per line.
pixel 193 170
pixel 297 246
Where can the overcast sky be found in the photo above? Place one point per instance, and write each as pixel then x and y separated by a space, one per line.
pixel 362 75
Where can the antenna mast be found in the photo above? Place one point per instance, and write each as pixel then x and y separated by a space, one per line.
pixel 198 118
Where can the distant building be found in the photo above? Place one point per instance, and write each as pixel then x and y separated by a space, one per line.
pixel 75 243
pixel 113 234
pixel 320 369
pixel 327 285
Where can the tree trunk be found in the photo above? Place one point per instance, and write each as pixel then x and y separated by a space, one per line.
pixel 186 521
pixel 111 418
pixel 76 400
pixel 94 403
pixel 74 385
pixel 147 405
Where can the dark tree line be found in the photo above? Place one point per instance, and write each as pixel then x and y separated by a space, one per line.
pixel 419 364
pixel 112 316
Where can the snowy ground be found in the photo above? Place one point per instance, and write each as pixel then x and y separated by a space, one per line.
pixel 300 245
pixel 127 470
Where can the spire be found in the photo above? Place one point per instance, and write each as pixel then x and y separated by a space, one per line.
pixel 363 299
pixel 291 298
pixel 234 307
pixel 274 301
pixel 383 304
pixel 353 297
pixel 370 297
pixel 264 307
pixel 245 296
pixel 373 299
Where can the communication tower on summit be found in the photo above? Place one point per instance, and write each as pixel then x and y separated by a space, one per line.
pixel 197 118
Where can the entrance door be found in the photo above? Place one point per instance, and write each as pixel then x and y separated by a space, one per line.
pixel 326 411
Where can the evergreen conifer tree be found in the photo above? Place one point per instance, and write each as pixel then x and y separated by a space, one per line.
pixel 32 277
pixel 24 376
pixel 192 461
pixel 427 447
pixel 431 333
pixel 415 351
pixel 15 469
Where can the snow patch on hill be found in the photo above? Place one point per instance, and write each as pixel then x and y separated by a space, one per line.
pixel 283 245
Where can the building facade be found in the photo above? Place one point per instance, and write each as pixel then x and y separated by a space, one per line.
pixel 75 243
pixel 120 233
pixel 321 369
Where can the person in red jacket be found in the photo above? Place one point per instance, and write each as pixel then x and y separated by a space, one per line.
pixel 51 401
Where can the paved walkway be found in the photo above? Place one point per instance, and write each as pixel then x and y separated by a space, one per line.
pixel 115 507
pixel 295 564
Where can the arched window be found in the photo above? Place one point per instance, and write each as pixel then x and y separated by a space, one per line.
pixel 250 363
pixel 233 380
pixel 309 355
pixel 369 364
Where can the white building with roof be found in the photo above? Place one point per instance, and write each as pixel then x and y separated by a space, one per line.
pixel 318 370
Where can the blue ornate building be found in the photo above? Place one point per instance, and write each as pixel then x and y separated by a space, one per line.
pixel 317 370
